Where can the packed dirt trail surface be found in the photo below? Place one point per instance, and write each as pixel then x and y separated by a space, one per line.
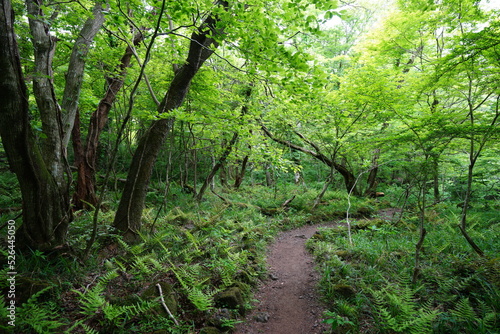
pixel 287 300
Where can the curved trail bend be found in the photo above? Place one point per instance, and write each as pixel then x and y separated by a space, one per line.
pixel 288 303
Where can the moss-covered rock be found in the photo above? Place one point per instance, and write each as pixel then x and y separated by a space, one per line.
pixel 230 298
pixel 210 330
pixel 219 317
pixel 344 254
pixel 344 291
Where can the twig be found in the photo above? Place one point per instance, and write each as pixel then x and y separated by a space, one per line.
pixel 165 305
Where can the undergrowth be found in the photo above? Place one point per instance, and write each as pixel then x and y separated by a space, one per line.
pixel 368 284
pixel 192 255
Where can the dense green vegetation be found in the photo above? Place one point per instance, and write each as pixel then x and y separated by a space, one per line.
pixel 151 150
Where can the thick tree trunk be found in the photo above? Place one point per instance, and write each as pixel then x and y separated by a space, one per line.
pixel 42 170
pixel 86 158
pixel 129 213
pixel 44 45
pixel 46 213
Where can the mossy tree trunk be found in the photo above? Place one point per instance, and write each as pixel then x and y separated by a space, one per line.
pixel 129 213
pixel 41 167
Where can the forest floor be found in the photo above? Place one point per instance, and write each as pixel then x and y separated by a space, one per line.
pixel 287 302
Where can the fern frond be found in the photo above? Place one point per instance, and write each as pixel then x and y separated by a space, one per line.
pixel 41 317
pixel 203 301
pixel 399 312
pixel 92 300
pixel 122 313
pixel 464 311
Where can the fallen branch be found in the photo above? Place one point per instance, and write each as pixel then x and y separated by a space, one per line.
pixel 285 203
pixel 222 198
pixel 165 305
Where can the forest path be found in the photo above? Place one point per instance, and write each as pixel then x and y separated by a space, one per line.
pixel 288 302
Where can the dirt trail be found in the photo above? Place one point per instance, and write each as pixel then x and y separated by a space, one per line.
pixel 288 303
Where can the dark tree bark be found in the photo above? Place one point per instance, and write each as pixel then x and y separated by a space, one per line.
pixel 42 171
pixel 45 206
pixel 86 156
pixel 241 174
pixel 129 213
pixel 349 178
pixel 216 167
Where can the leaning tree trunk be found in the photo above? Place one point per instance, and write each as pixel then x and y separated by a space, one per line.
pixel 86 156
pixel 349 178
pixel 129 213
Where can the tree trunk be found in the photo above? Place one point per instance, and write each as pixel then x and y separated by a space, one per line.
pixel 241 174
pixel 215 168
pixel 463 218
pixel 74 75
pixel 327 183
pixel 46 210
pixel 86 158
pixel 269 176
pixel 372 176
pixel 129 213
pixel 435 179
pixel 349 178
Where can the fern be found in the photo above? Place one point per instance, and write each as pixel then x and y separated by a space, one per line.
pixel 146 265
pixel 92 301
pixel 41 317
pixel 399 312
pixel 79 323
pixel 202 300
pixel 464 310
pixel 121 313
pixel 481 321
pixel 190 279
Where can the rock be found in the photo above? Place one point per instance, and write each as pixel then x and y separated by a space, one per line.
pixel 343 254
pixel 231 298
pixel 219 317
pixel 343 290
pixel 261 317
pixel 209 330
pixel 273 277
